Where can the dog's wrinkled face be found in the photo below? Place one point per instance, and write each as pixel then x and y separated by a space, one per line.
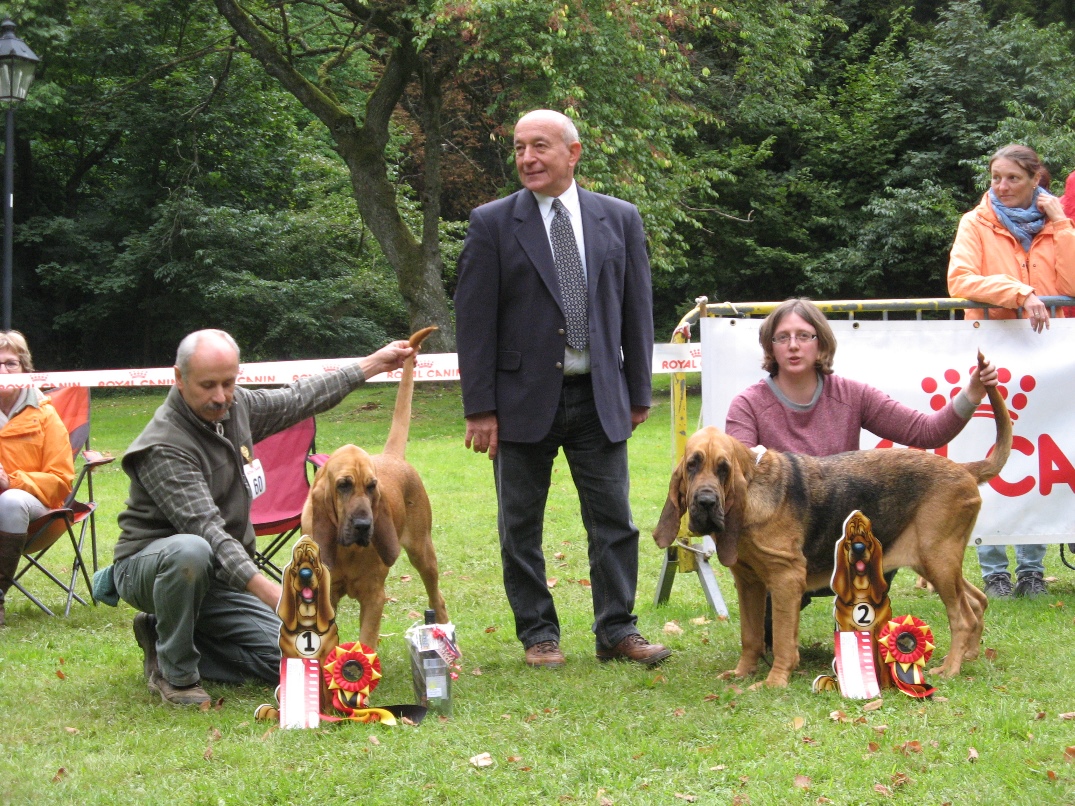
pixel 707 477
pixel 352 486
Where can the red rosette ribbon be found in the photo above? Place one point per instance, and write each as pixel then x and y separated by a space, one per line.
pixel 351 672
pixel 906 644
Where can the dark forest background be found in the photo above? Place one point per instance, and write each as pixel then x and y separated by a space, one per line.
pixel 300 173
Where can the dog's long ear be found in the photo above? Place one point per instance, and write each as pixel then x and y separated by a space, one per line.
pixel 319 516
pixel 667 529
pixel 385 540
pixel 735 503
pixel 877 572
pixel 841 571
pixel 286 609
pixel 325 612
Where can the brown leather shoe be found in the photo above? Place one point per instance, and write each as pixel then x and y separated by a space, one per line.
pixel 545 654
pixel 177 695
pixel 637 649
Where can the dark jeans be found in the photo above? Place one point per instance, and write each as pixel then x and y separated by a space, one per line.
pixel 523 472
pixel 203 629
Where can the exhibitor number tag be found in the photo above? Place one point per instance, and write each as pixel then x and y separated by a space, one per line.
pixel 255 477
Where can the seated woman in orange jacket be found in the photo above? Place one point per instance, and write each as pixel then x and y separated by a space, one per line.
pixel 36 468
pixel 1017 245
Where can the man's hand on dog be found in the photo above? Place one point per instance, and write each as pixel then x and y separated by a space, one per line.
pixel 388 359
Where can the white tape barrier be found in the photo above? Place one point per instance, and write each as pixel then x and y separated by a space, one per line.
pixel 429 367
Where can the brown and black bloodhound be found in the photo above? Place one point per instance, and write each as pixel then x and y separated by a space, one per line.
pixel 776 517
pixel 361 509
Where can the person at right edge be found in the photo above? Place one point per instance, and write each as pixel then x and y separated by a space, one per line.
pixel 1016 246
pixel 554 314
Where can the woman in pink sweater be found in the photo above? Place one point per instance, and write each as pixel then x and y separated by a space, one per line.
pixel 802 407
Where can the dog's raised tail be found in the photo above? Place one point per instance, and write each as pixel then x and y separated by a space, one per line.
pixel 985 469
pixel 401 415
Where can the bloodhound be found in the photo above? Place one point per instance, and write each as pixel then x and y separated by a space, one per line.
pixel 307 617
pixel 361 509
pixel 861 603
pixel 776 517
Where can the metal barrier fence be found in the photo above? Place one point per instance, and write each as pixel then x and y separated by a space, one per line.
pixel 683 556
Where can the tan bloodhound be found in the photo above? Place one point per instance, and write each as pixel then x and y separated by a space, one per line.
pixel 776 517
pixel 361 509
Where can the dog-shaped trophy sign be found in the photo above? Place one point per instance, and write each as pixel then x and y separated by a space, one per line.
pixel 316 670
pixel 873 650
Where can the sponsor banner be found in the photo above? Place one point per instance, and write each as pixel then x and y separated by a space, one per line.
pixel 923 364
pixel 429 367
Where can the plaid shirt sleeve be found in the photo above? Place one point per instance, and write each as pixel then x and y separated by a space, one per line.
pixel 273 410
pixel 177 486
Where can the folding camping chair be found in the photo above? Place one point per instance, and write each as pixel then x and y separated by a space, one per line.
pixel 73 406
pixel 278 511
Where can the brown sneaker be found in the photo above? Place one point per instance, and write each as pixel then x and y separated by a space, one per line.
pixel 177 695
pixel 637 649
pixel 145 633
pixel 545 654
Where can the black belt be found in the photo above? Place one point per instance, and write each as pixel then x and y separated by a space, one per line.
pixel 576 380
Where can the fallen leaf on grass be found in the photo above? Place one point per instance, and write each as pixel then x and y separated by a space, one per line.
pixel 837 716
pixel 551 582
pixel 1039 715
pixel 1069 754
pixel 481 760
pixel 72 731
pixel 679 712
pixel 513 759
pixel 205 706
pixel 874 705
pixel 269 732
pixel 60 674
pixel 802 782
pixel 809 741
pixel 1059 605
pixel 476 671
pixel 873 747
pixel 824 799
pixel 60 773
pixel 797 723
pixel 559 555
pixel 215 735
pixel 1051 775
pixel 880 729
pixel 584 582
pixel 208 754
pixel 375 741
pixel 406 720
pixel 530 717
pixel 908 747
pixel 710 697
pixel 405 578
pixel 972 755
pixel 688 798
pixel 882 789
pixel 699 621
pixel 990 653
pixel 491 629
pixel 1068 715
pixel 414 615
pixel 671 628
pixel 720 767
pixel 900 778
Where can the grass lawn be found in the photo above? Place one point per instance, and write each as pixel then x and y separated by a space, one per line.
pixel 79 725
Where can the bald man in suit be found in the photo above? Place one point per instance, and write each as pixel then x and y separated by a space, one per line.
pixel 541 371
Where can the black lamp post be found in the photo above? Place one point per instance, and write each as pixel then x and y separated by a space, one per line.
pixel 17 65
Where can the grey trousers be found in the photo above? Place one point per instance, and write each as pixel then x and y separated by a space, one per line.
pixel 204 630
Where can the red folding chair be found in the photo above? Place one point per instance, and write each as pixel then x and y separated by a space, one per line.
pixel 73 406
pixel 278 511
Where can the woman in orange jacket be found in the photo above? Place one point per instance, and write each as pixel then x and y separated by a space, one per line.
pixel 36 467
pixel 1017 245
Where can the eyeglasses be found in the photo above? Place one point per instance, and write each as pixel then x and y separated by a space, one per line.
pixel 11 366
pixel 802 337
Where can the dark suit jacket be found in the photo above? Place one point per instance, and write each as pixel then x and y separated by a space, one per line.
pixel 510 326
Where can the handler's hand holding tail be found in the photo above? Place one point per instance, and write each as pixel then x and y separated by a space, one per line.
pixel 482 433
pixel 388 359
pixel 984 376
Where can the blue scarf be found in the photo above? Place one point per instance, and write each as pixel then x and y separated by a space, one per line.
pixel 1022 222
